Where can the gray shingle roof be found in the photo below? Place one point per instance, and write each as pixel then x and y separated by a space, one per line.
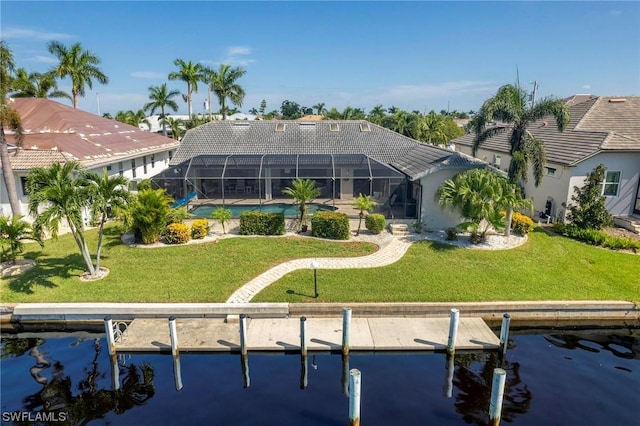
pixel 315 137
pixel 596 125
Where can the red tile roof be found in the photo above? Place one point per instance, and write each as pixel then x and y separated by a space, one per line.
pixel 80 135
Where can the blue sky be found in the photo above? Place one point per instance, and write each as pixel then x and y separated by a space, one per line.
pixel 412 55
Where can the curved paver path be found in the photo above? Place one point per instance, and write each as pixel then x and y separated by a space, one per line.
pixel 392 248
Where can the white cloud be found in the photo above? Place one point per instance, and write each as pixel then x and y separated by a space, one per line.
pixel 616 12
pixel 45 59
pixel 13 32
pixel 586 86
pixel 146 74
pixel 236 56
pixel 238 50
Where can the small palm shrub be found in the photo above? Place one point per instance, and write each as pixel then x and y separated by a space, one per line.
pixel 452 233
pixel 330 225
pixel 375 222
pixel 177 233
pixel 521 224
pixel 222 216
pixel 199 229
pixel 418 226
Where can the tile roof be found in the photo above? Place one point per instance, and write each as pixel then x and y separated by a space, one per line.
pixel 24 160
pixel 596 125
pixel 88 138
pixel 316 137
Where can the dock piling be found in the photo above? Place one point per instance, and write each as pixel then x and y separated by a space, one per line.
pixel 354 397
pixel 504 333
pixel 346 330
pixel 108 331
pixel 303 336
pixel 173 334
pixel 450 368
pixel 344 379
pixel 497 392
pixel 243 334
pixel 453 330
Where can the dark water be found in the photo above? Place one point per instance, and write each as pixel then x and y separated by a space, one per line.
pixel 584 378
pixel 205 210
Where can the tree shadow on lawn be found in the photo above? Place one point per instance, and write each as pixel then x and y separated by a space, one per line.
pixel 438 246
pixel 46 268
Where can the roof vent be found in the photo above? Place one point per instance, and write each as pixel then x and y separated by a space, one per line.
pixel 241 123
pixel 364 127
pixel 307 124
pixel 617 100
pixel 334 127
pixel 280 127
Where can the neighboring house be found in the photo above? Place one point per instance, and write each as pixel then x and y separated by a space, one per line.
pixel 55 133
pixel 603 130
pixel 155 122
pixel 233 160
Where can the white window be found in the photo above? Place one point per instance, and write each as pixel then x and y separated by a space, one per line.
pixel 497 160
pixel 611 184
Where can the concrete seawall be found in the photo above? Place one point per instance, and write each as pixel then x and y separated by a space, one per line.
pixel 77 316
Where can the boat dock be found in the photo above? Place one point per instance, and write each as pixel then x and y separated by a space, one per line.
pixel 322 334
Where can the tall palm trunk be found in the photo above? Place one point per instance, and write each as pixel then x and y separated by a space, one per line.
pixel 507 228
pixel 100 234
pixel 7 175
pixel 74 92
pixel 78 236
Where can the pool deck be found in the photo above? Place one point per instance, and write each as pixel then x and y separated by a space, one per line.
pixel 323 334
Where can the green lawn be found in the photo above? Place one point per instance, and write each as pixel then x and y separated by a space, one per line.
pixel 207 272
pixel 545 268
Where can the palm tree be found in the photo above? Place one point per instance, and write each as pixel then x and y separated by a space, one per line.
pixel 56 194
pixel 176 125
pixel 431 129
pixel 320 109
pixel 509 106
pixel 13 232
pixel 160 98
pixel 79 65
pixel 223 216
pixel 223 83
pixel 480 196
pixel 191 74
pixel 9 119
pixel 36 85
pixel 133 118
pixel 377 114
pixel 303 192
pixel 364 203
pixel 105 193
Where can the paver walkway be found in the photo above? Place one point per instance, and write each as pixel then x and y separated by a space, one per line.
pixel 392 248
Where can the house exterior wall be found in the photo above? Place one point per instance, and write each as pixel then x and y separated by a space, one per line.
pixel 160 163
pixel 628 163
pixel 559 186
pixel 432 215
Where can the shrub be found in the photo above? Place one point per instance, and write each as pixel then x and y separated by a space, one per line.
pixel 452 233
pixel 177 233
pixel 330 225
pixel 199 229
pixel 596 238
pixel 418 226
pixel 375 222
pixel 521 224
pixel 259 223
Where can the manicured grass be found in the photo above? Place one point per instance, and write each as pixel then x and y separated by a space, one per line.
pixel 208 272
pixel 545 268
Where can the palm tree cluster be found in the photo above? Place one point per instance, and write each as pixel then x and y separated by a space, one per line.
pixel 481 197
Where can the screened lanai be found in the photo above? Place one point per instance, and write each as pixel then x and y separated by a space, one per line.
pixel 228 178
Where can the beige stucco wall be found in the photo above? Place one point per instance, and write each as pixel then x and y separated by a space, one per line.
pixel 433 216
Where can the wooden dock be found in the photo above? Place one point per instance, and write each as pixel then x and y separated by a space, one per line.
pixel 323 334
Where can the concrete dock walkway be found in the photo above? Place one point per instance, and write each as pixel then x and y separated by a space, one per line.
pixel 323 334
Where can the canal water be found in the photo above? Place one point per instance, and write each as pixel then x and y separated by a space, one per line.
pixel 553 378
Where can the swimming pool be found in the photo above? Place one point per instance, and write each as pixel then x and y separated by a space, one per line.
pixel 204 210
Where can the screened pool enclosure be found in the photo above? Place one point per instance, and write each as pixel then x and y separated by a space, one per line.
pixel 261 178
